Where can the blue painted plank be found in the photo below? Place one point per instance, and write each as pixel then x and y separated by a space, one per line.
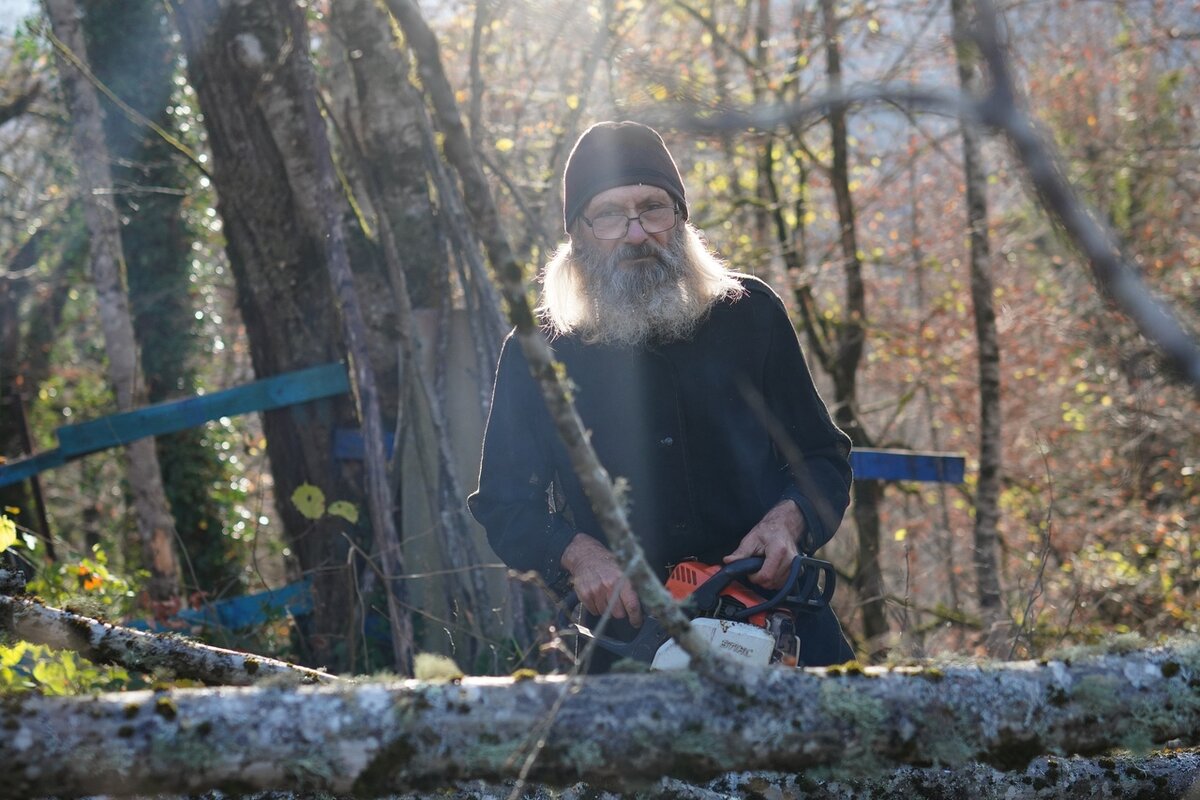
pixel 246 611
pixel 348 444
pixel 905 465
pixel 21 469
pixel 176 415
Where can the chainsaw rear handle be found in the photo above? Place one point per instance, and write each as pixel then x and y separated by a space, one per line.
pixel 803 591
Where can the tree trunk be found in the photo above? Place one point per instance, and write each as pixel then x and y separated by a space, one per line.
pixel 389 158
pixel 851 339
pixel 987 493
pixel 1170 774
pixel 617 731
pixel 382 111
pixel 25 352
pixel 354 328
pixel 244 66
pixel 155 524
pixel 130 50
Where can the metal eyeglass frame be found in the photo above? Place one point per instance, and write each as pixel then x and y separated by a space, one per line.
pixel 625 230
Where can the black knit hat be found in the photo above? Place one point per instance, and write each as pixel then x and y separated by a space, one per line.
pixel 612 154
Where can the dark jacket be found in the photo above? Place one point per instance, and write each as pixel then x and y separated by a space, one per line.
pixel 675 422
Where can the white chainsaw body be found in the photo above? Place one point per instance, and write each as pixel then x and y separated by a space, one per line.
pixel 741 640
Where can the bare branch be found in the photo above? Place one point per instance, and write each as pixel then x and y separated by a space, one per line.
pixel 103 643
pixel 998 110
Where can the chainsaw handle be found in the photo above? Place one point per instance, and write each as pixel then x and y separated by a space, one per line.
pixel 799 590
pixel 641 647
pixel 806 597
pixel 707 594
pixel 779 596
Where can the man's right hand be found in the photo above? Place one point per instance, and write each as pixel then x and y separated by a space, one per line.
pixel 596 576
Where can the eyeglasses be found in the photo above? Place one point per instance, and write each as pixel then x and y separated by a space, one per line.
pixel 615 226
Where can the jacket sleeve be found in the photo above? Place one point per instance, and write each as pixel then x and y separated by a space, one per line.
pixel 820 484
pixel 512 501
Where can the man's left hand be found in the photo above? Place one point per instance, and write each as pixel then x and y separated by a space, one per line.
pixel 774 538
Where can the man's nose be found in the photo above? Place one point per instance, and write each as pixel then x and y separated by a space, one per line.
pixel 635 234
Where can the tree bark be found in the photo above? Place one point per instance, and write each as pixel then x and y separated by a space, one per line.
pixel 616 731
pixel 383 115
pixel 1171 774
pixel 1164 775
pixel 130 50
pixel 987 492
pixel 354 329
pixel 156 527
pixel 103 643
pixel 242 62
pixel 851 341
pixel 388 154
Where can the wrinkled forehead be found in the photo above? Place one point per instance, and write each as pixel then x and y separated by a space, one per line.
pixel 627 198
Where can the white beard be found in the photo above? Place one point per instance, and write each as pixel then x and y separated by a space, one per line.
pixel 636 293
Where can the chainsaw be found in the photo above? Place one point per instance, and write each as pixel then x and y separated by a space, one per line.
pixel 733 615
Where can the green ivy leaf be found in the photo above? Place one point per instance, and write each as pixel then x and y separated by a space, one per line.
pixel 309 501
pixel 346 510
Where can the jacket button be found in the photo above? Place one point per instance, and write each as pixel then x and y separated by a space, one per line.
pixel 666 441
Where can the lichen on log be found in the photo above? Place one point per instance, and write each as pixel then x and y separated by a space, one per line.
pixel 614 732
pixel 174 656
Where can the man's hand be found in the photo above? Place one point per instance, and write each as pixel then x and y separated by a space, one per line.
pixel 774 538
pixel 596 576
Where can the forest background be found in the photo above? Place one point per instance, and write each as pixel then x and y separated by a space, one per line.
pixel 1079 511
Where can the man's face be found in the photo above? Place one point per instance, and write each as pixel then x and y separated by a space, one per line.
pixel 629 201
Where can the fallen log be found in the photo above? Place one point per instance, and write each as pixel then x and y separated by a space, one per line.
pixel 611 731
pixel 170 655
pixel 1169 774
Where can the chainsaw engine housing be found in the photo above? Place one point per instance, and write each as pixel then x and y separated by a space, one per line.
pixel 743 641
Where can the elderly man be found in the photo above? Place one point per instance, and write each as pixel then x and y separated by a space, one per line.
pixel 672 358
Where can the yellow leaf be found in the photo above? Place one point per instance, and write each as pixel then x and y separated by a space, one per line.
pixel 309 501
pixel 572 101
pixel 11 656
pixel 345 510
pixel 901 534
pixel 8 533
pixel 505 144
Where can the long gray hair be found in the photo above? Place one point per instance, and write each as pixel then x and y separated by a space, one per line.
pixel 663 297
